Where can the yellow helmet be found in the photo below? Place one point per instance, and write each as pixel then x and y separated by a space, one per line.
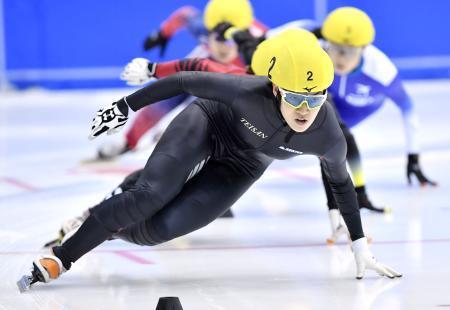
pixel 348 26
pixel 294 61
pixel 238 13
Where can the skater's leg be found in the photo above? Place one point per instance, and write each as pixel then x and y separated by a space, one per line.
pixel 203 199
pixel 71 225
pixel 355 165
pixel 185 143
pixel 353 157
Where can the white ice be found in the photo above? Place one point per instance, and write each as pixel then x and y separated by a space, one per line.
pixel 272 255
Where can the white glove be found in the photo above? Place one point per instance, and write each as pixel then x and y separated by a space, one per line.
pixel 108 119
pixel 365 260
pixel 137 72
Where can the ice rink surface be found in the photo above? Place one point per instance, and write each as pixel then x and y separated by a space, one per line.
pixel 272 255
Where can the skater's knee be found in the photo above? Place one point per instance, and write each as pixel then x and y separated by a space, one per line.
pixel 147 200
pixel 160 232
pixel 138 234
pixel 133 206
pixel 170 224
pixel 147 233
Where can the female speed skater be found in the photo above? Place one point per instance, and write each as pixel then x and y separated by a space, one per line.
pixel 215 149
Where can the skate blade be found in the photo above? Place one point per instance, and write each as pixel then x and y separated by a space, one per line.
pixel 24 284
pixel 52 243
pixel 99 161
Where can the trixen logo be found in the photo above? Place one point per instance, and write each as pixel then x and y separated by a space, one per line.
pixel 253 129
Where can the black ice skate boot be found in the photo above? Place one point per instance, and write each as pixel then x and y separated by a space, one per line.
pixel 365 203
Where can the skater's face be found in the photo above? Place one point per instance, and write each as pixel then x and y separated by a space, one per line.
pixel 345 58
pixel 222 51
pixel 301 118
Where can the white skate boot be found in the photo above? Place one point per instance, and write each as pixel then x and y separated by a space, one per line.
pixel 338 227
pixel 68 228
pixel 45 269
pixel 112 150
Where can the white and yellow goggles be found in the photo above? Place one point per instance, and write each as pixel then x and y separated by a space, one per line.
pixel 296 100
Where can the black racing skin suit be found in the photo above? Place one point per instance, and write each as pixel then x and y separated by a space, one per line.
pixel 247 45
pixel 208 157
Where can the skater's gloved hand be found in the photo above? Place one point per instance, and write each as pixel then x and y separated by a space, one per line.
pixel 109 119
pixel 154 40
pixel 365 260
pixel 139 71
pixel 413 168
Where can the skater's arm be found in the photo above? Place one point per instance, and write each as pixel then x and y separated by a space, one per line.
pixel 334 164
pixel 186 16
pixel 396 92
pixel 178 20
pixel 214 86
pixel 164 69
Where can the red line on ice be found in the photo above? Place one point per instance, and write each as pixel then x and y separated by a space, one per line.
pixel 224 248
pixel 19 184
pixel 131 256
pixel 109 170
